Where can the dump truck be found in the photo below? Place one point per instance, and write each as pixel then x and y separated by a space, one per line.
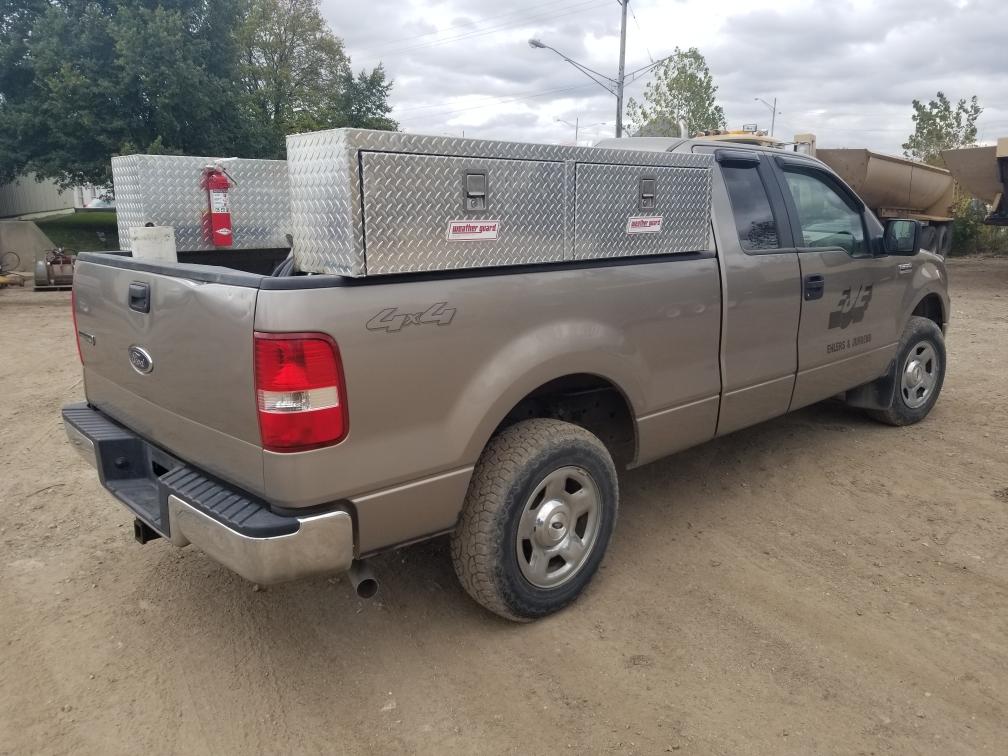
pixel 983 172
pixel 898 187
pixel 893 187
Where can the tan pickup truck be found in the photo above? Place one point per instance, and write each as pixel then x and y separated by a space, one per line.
pixel 596 310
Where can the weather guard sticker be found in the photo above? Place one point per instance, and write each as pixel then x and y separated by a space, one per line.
pixel 644 224
pixel 473 230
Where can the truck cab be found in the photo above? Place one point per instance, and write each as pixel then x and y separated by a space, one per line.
pixel 815 300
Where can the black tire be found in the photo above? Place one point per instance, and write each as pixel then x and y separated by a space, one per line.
pixel 901 411
pixel 514 466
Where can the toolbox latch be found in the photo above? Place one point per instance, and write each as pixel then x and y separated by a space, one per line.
pixel 647 193
pixel 475 191
pixel 139 296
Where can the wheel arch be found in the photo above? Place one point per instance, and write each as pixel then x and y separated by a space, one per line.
pixel 562 358
pixel 878 394
pixel 591 401
pixel 932 307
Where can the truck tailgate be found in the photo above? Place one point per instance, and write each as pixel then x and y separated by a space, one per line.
pixel 180 373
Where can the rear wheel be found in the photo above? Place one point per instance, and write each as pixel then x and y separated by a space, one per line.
pixel 537 519
pixel 920 374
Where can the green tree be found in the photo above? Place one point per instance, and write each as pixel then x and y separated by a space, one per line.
pixel 365 101
pixel 682 90
pixel 941 126
pixel 85 80
pixel 297 75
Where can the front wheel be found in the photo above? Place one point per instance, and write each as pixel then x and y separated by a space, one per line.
pixel 537 519
pixel 920 373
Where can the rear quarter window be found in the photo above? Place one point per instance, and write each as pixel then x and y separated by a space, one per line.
pixel 754 218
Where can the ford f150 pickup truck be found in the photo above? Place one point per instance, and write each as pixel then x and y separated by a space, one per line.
pixel 612 306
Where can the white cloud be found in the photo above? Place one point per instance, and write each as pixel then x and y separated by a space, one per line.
pixel 843 69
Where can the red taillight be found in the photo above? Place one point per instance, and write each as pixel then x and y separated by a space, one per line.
pixel 299 391
pixel 73 312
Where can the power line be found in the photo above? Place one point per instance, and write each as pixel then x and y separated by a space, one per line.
pixel 570 10
pixel 492 101
pixel 637 24
pixel 456 27
pixel 443 112
pixel 489 100
pixel 500 101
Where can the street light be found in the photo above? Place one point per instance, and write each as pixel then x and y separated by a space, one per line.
pixel 577 126
pixel 610 85
pixel 772 109
pixel 613 86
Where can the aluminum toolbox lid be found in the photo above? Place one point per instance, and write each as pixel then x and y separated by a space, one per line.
pixel 335 200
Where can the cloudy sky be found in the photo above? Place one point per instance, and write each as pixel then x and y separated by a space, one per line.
pixel 845 70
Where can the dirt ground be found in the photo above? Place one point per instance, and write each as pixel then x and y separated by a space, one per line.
pixel 817 584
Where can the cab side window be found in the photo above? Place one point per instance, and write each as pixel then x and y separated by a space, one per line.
pixel 754 219
pixel 826 218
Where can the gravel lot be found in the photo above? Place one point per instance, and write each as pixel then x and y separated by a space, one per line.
pixel 817 584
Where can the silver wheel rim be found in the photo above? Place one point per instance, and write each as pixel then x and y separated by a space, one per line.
pixel 558 527
pixel 920 375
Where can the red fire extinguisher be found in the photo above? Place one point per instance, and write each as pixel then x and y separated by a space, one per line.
pixel 217 216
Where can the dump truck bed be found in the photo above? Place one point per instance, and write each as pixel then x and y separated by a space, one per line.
pixel 888 182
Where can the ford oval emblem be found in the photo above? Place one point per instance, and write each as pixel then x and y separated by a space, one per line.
pixel 141 360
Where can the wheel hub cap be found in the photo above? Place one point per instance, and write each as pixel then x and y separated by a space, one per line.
pixel 920 375
pixel 551 523
pixel 558 527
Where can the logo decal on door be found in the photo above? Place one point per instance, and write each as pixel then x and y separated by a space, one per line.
pixel 851 308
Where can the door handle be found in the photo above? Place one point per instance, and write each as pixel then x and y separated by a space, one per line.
pixel 815 284
pixel 904 268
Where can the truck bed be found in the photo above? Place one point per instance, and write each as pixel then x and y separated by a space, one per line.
pixel 433 364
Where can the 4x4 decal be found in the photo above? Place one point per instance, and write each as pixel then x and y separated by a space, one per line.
pixel 391 320
pixel 851 308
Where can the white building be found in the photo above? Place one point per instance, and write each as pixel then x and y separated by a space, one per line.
pixel 26 196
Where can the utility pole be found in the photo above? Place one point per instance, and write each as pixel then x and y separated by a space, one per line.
pixel 621 77
pixel 772 109
pixel 609 84
pixel 576 125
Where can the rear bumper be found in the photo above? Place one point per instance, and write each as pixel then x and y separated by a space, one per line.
pixel 188 507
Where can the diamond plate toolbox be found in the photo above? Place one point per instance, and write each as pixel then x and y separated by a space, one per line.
pixel 166 190
pixel 377 202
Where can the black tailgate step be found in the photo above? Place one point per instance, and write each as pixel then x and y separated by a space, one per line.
pixel 142 476
pixel 237 510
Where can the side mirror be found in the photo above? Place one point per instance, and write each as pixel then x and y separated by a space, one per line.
pixel 901 237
